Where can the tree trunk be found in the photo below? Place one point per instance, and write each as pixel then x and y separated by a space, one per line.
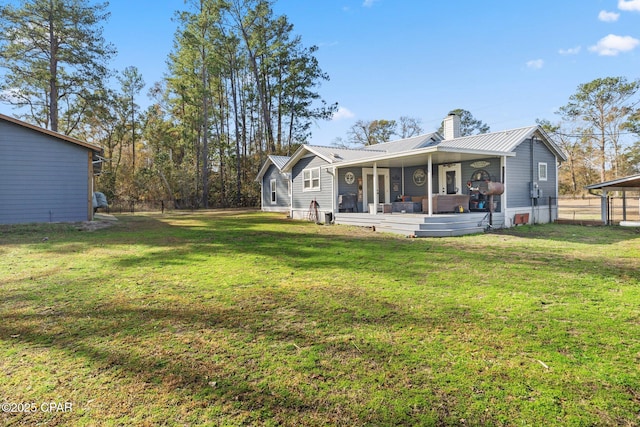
pixel 53 72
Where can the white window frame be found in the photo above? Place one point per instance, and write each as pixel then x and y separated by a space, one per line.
pixel 542 167
pixel 309 182
pixel 274 186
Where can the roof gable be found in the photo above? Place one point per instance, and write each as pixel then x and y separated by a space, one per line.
pixel 501 142
pixel 277 161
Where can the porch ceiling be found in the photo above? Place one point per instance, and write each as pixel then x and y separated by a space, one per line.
pixel 421 158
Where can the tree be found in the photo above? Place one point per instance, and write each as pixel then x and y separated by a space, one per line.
pixel 604 105
pixel 55 59
pixel 410 126
pixel 577 171
pixel 371 132
pixel 131 84
pixel 469 125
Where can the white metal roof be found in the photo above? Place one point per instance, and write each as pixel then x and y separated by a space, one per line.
pixel 416 150
pixel 277 161
pixel 628 182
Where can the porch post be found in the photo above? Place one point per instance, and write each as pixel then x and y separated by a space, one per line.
pixel 604 207
pixel 503 179
pixel 376 190
pixel 430 184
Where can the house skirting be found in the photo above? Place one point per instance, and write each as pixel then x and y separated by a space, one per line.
pixel 541 214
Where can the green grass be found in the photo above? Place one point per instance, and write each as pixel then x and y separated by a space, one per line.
pixel 244 318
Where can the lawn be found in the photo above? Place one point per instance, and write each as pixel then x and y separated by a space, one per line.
pixel 245 318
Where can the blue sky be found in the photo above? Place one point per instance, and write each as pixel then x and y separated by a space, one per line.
pixel 509 62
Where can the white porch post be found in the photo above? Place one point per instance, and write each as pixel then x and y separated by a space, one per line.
pixel 430 184
pixel 503 178
pixel 376 190
pixel 334 189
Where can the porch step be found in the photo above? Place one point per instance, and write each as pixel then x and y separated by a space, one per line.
pixel 420 225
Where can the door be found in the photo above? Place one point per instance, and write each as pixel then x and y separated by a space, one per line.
pixel 450 178
pixel 384 188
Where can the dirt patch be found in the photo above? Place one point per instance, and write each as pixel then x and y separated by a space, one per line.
pixel 99 222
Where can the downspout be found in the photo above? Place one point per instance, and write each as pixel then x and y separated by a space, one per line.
pixel 402 190
pixel 430 184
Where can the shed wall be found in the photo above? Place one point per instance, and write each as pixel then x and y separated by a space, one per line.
pixel 42 179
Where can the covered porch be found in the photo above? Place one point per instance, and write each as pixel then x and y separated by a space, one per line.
pixel 427 182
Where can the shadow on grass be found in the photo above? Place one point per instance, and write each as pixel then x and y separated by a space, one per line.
pixel 217 353
pixel 221 350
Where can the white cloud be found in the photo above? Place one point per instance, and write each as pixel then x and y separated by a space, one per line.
pixel 570 51
pixel 629 5
pixel 612 45
pixel 368 3
pixel 11 95
pixel 535 64
pixel 605 16
pixel 342 113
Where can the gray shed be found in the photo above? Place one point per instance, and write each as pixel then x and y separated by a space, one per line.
pixel 44 176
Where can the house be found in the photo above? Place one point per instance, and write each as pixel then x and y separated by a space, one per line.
pixel 497 179
pixel 44 176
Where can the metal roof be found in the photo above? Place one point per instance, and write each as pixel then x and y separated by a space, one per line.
pixel 406 144
pixel 629 182
pixel 416 150
pixel 277 161
pixel 504 141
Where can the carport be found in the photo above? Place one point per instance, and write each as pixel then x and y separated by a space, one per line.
pixel 629 183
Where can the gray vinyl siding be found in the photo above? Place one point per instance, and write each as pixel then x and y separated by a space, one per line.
pixel 302 199
pixel 344 188
pixel 410 188
pixel 42 179
pixel 282 192
pixel 523 169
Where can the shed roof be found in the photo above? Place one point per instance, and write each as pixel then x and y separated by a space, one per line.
pixel 48 132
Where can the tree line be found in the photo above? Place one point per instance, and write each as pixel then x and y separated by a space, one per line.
pixel 240 85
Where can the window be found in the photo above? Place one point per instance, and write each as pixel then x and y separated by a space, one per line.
pixel 542 171
pixel 273 191
pixel 311 179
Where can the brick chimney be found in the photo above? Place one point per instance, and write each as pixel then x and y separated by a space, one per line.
pixel 451 126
